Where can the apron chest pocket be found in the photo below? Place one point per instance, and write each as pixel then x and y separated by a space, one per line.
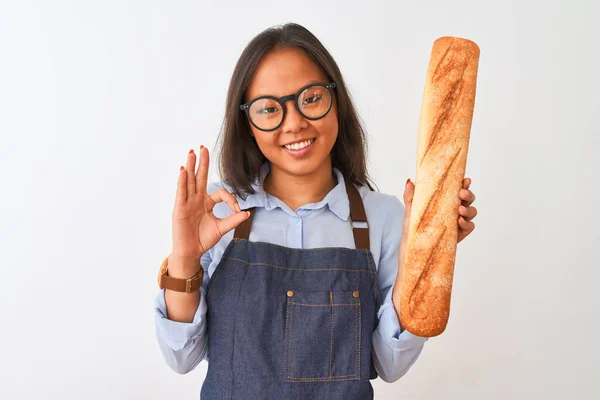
pixel 322 336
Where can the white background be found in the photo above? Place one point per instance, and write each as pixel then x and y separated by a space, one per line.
pixel 101 101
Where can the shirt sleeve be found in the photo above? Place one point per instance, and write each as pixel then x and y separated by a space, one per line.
pixel 183 344
pixel 395 350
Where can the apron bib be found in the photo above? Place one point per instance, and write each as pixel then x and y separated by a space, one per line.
pixel 288 323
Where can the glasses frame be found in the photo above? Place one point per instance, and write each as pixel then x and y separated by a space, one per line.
pixel 284 99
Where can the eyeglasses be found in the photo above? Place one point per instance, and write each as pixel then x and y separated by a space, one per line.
pixel 267 113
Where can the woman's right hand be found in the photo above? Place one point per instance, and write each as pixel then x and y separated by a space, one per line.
pixel 195 227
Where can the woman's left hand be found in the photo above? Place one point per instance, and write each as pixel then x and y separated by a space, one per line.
pixel 466 211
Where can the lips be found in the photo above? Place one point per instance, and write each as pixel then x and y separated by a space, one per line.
pixel 299 149
pixel 299 145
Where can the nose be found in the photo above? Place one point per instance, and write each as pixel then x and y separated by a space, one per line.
pixel 293 121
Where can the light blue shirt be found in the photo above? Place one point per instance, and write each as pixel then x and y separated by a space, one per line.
pixel 321 224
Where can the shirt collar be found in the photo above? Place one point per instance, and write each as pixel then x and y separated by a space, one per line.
pixel 336 199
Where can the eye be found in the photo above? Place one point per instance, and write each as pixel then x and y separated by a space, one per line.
pixel 267 110
pixel 313 99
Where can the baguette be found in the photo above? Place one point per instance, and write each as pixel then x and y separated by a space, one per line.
pixel 443 142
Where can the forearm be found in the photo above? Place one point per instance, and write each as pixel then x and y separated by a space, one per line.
pixel 182 344
pixel 395 350
pixel 393 361
pixel 181 307
pixel 397 291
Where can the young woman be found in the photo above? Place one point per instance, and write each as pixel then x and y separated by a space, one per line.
pixel 300 299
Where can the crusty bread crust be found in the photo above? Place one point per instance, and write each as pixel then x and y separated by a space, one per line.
pixel 443 142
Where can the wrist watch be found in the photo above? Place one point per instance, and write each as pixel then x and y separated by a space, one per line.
pixel 188 285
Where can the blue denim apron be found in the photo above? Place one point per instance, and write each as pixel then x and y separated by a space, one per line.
pixel 288 323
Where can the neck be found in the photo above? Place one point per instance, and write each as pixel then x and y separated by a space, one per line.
pixel 298 190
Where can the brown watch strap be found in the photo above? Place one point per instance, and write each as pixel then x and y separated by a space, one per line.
pixel 188 285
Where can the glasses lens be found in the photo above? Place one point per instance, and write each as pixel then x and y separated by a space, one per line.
pixel 314 102
pixel 265 113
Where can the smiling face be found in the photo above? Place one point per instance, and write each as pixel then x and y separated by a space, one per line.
pixel 299 146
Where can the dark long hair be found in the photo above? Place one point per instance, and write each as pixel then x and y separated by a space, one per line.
pixel 240 157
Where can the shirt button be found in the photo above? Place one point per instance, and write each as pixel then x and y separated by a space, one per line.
pixel 296 219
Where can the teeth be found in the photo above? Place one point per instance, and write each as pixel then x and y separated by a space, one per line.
pixel 299 146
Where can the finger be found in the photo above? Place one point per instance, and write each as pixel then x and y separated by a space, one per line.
pixel 190 168
pixel 202 175
pixel 466 183
pixel 223 195
pixel 468 213
pixel 467 197
pixel 467 226
pixel 409 191
pixel 181 194
pixel 231 222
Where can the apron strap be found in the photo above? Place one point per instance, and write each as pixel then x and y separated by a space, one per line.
pixel 357 214
pixel 242 231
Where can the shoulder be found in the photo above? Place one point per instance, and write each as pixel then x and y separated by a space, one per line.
pixel 385 216
pixel 381 206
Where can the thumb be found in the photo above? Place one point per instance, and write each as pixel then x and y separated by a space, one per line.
pixel 232 221
pixel 409 191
